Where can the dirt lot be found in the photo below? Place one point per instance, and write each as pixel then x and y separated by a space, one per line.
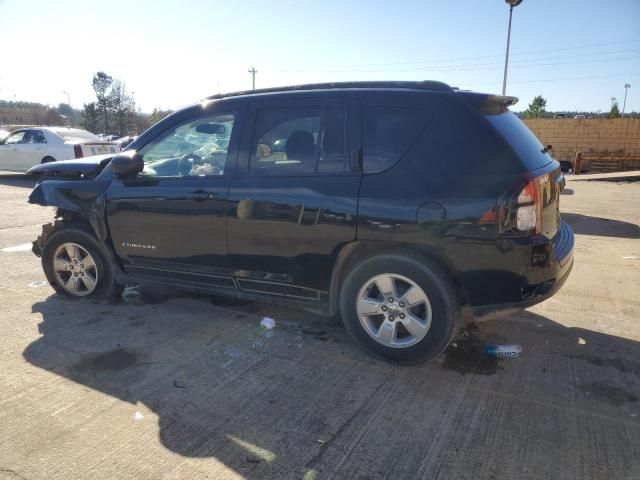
pixel 176 387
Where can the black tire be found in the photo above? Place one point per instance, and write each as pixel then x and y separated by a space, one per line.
pixel 433 280
pixel 106 286
pixel 48 159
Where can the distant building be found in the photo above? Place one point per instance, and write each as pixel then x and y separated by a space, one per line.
pixel 16 115
pixel 39 115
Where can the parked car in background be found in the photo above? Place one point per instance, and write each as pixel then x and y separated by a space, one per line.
pixel 25 147
pixel 580 117
pixel 381 208
pixel 560 115
pixel 124 142
pixel 566 166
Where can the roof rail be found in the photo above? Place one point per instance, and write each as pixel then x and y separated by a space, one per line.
pixel 420 85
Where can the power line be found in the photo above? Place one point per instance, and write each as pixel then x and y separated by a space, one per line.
pixel 346 67
pixel 589 77
pixel 476 66
pixel 494 66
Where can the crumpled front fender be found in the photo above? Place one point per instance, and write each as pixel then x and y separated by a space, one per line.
pixel 72 195
pixel 83 197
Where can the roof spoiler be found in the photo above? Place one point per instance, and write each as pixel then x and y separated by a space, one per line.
pixel 505 100
pixel 488 104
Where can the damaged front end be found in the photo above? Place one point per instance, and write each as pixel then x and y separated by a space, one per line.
pixel 77 189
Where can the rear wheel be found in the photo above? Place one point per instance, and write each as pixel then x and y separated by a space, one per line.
pixel 76 266
pixel 400 307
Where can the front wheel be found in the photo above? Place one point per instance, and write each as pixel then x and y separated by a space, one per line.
pixel 399 307
pixel 76 266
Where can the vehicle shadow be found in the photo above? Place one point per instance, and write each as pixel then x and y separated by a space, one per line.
pixel 603 227
pixel 17 180
pixel 302 399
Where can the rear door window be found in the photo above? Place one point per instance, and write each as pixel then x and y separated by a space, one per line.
pixel 389 133
pixel 299 140
pixel 34 136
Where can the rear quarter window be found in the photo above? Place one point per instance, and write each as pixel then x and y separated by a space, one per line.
pixel 389 132
pixel 522 140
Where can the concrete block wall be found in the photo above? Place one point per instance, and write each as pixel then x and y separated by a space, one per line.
pixel 616 140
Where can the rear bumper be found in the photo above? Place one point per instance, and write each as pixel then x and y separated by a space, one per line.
pixel 549 266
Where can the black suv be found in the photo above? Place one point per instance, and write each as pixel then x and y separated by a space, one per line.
pixel 391 204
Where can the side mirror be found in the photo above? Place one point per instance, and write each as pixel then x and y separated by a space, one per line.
pixel 127 164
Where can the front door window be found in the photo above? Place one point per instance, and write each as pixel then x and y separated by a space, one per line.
pixel 196 148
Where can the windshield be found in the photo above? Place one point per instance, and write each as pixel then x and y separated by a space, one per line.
pixel 75 133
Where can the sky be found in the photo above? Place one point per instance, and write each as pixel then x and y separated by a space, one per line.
pixel 576 54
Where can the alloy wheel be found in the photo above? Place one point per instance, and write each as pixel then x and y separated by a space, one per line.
pixel 394 310
pixel 75 269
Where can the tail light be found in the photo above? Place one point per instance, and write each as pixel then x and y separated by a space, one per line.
pixel 77 150
pixel 522 214
pixel 529 207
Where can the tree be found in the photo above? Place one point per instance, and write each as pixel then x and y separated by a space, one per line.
pixel 90 117
pixel 122 106
pixel 65 110
pixel 101 85
pixel 615 111
pixel 536 107
pixel 158 115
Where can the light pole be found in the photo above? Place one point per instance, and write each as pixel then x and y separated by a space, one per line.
pixel 624 104
pixel 68 98
pixel 511 3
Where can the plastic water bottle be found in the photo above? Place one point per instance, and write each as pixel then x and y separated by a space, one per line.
pixel 503 351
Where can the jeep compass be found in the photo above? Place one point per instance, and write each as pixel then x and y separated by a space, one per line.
pixel 390 204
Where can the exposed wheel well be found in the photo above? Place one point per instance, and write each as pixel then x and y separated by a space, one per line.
pixel 355 252
pixel 48 159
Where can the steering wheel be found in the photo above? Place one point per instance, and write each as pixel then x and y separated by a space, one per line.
pixel 186 163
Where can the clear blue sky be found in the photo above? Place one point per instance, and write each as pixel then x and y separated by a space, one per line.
pixel 577 54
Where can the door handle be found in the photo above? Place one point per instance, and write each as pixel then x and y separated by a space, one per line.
pixel 201 196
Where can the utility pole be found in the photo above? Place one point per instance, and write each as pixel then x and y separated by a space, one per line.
pixel 626 88
pixel 511 3
pixel 253 72
pixel 68 98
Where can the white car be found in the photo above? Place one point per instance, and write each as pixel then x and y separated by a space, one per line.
pixel 25 147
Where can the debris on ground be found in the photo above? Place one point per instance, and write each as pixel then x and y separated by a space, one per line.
pixel 502 351
pixel 131 292
pixel 268 323
pixel 179 384
pixel 39 283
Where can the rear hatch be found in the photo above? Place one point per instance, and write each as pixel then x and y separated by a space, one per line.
pixel 543 180
pixel 539 164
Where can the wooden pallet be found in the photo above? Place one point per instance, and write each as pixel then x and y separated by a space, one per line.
pixel 611 163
